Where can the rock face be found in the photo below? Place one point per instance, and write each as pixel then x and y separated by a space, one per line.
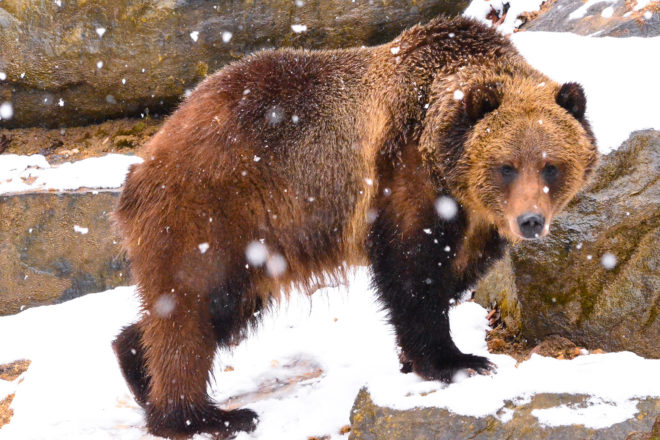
pixel 77 61
pixel 596 278
pixel 617 18
pixel 372 422
pixel 44 260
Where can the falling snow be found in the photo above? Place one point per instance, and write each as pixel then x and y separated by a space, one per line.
pixel 446 207
pixel 99 64
pixel 100 31
pixel 3 76
pixel 164 305
pixel 276 265
pixel 226 36
pixel 458 95
pixel 6 110
pixel 395 50
pixel 203 247
pixel 608 261
pixel 256 253
pixel 194 35
pixel 298 28
pixel 80 229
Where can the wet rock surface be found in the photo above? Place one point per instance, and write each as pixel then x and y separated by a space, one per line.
pixel 618 18
pixel 45 260
pixel 516 421
pixel 75 62
pixel 595 279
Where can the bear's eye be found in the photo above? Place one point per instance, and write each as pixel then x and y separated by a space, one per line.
pixel 550 173
pixel 508 173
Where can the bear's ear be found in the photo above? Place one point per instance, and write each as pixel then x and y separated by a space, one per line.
pixel 480 100
pixel 571 98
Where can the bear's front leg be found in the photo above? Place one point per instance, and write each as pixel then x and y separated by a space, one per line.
pixel 411 254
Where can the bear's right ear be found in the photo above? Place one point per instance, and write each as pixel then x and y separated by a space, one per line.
pixel 480 100
pixel 571 98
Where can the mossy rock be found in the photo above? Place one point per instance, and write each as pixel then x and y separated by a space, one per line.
pixel 152 51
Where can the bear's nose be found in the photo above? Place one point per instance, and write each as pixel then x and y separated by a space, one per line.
pixel 531 225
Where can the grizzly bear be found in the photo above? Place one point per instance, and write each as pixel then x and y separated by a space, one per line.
pixel 421 157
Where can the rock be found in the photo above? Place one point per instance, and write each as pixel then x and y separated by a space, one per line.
pixel 75 62
pixel 44 260
pixel 124 136
pixel 603 19
pixel 654 434
pixel 595 279
pixel 372 422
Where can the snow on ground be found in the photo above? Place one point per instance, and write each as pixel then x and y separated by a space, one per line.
pixel 73 389
pixel 26 173
pixel 619 76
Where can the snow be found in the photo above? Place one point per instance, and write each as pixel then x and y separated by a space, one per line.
pixel 30 173
pixel 479 9
pixel 3 76
pixel 608 261
pixel 80 229
pixel 582 10
pixel 73 389
pixel 618 75
pixel 194 35
pixel 446 207
pixel 298 28
pixel 226 36
pixel 6 110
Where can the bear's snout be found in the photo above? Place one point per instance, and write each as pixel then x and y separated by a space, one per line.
pixel 531 224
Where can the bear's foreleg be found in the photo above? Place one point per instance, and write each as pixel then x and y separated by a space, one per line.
pixel 412 272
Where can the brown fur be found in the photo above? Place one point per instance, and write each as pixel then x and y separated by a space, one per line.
pixel 375 128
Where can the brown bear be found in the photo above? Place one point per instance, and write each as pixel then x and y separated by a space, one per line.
pixel 420 157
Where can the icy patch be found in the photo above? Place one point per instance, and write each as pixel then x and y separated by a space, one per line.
pixel 29 173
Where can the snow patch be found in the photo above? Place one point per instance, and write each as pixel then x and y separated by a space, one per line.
pixel 30 173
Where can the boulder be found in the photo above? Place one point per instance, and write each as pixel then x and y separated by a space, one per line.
pixel 618 18
pixel 595 279
pixel 73 62
pixel 372 422
pixel 57 246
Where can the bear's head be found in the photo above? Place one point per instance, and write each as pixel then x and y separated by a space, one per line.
pixel 513 149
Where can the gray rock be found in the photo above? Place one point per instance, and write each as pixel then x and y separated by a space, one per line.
pixel 564 284
pixel 153 50
pixel 372 422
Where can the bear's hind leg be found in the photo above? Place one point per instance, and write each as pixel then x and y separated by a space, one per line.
pixel 130 353
pixel 179 351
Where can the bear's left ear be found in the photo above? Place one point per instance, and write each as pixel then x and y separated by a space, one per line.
pixel 480 100
pixel 571 98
